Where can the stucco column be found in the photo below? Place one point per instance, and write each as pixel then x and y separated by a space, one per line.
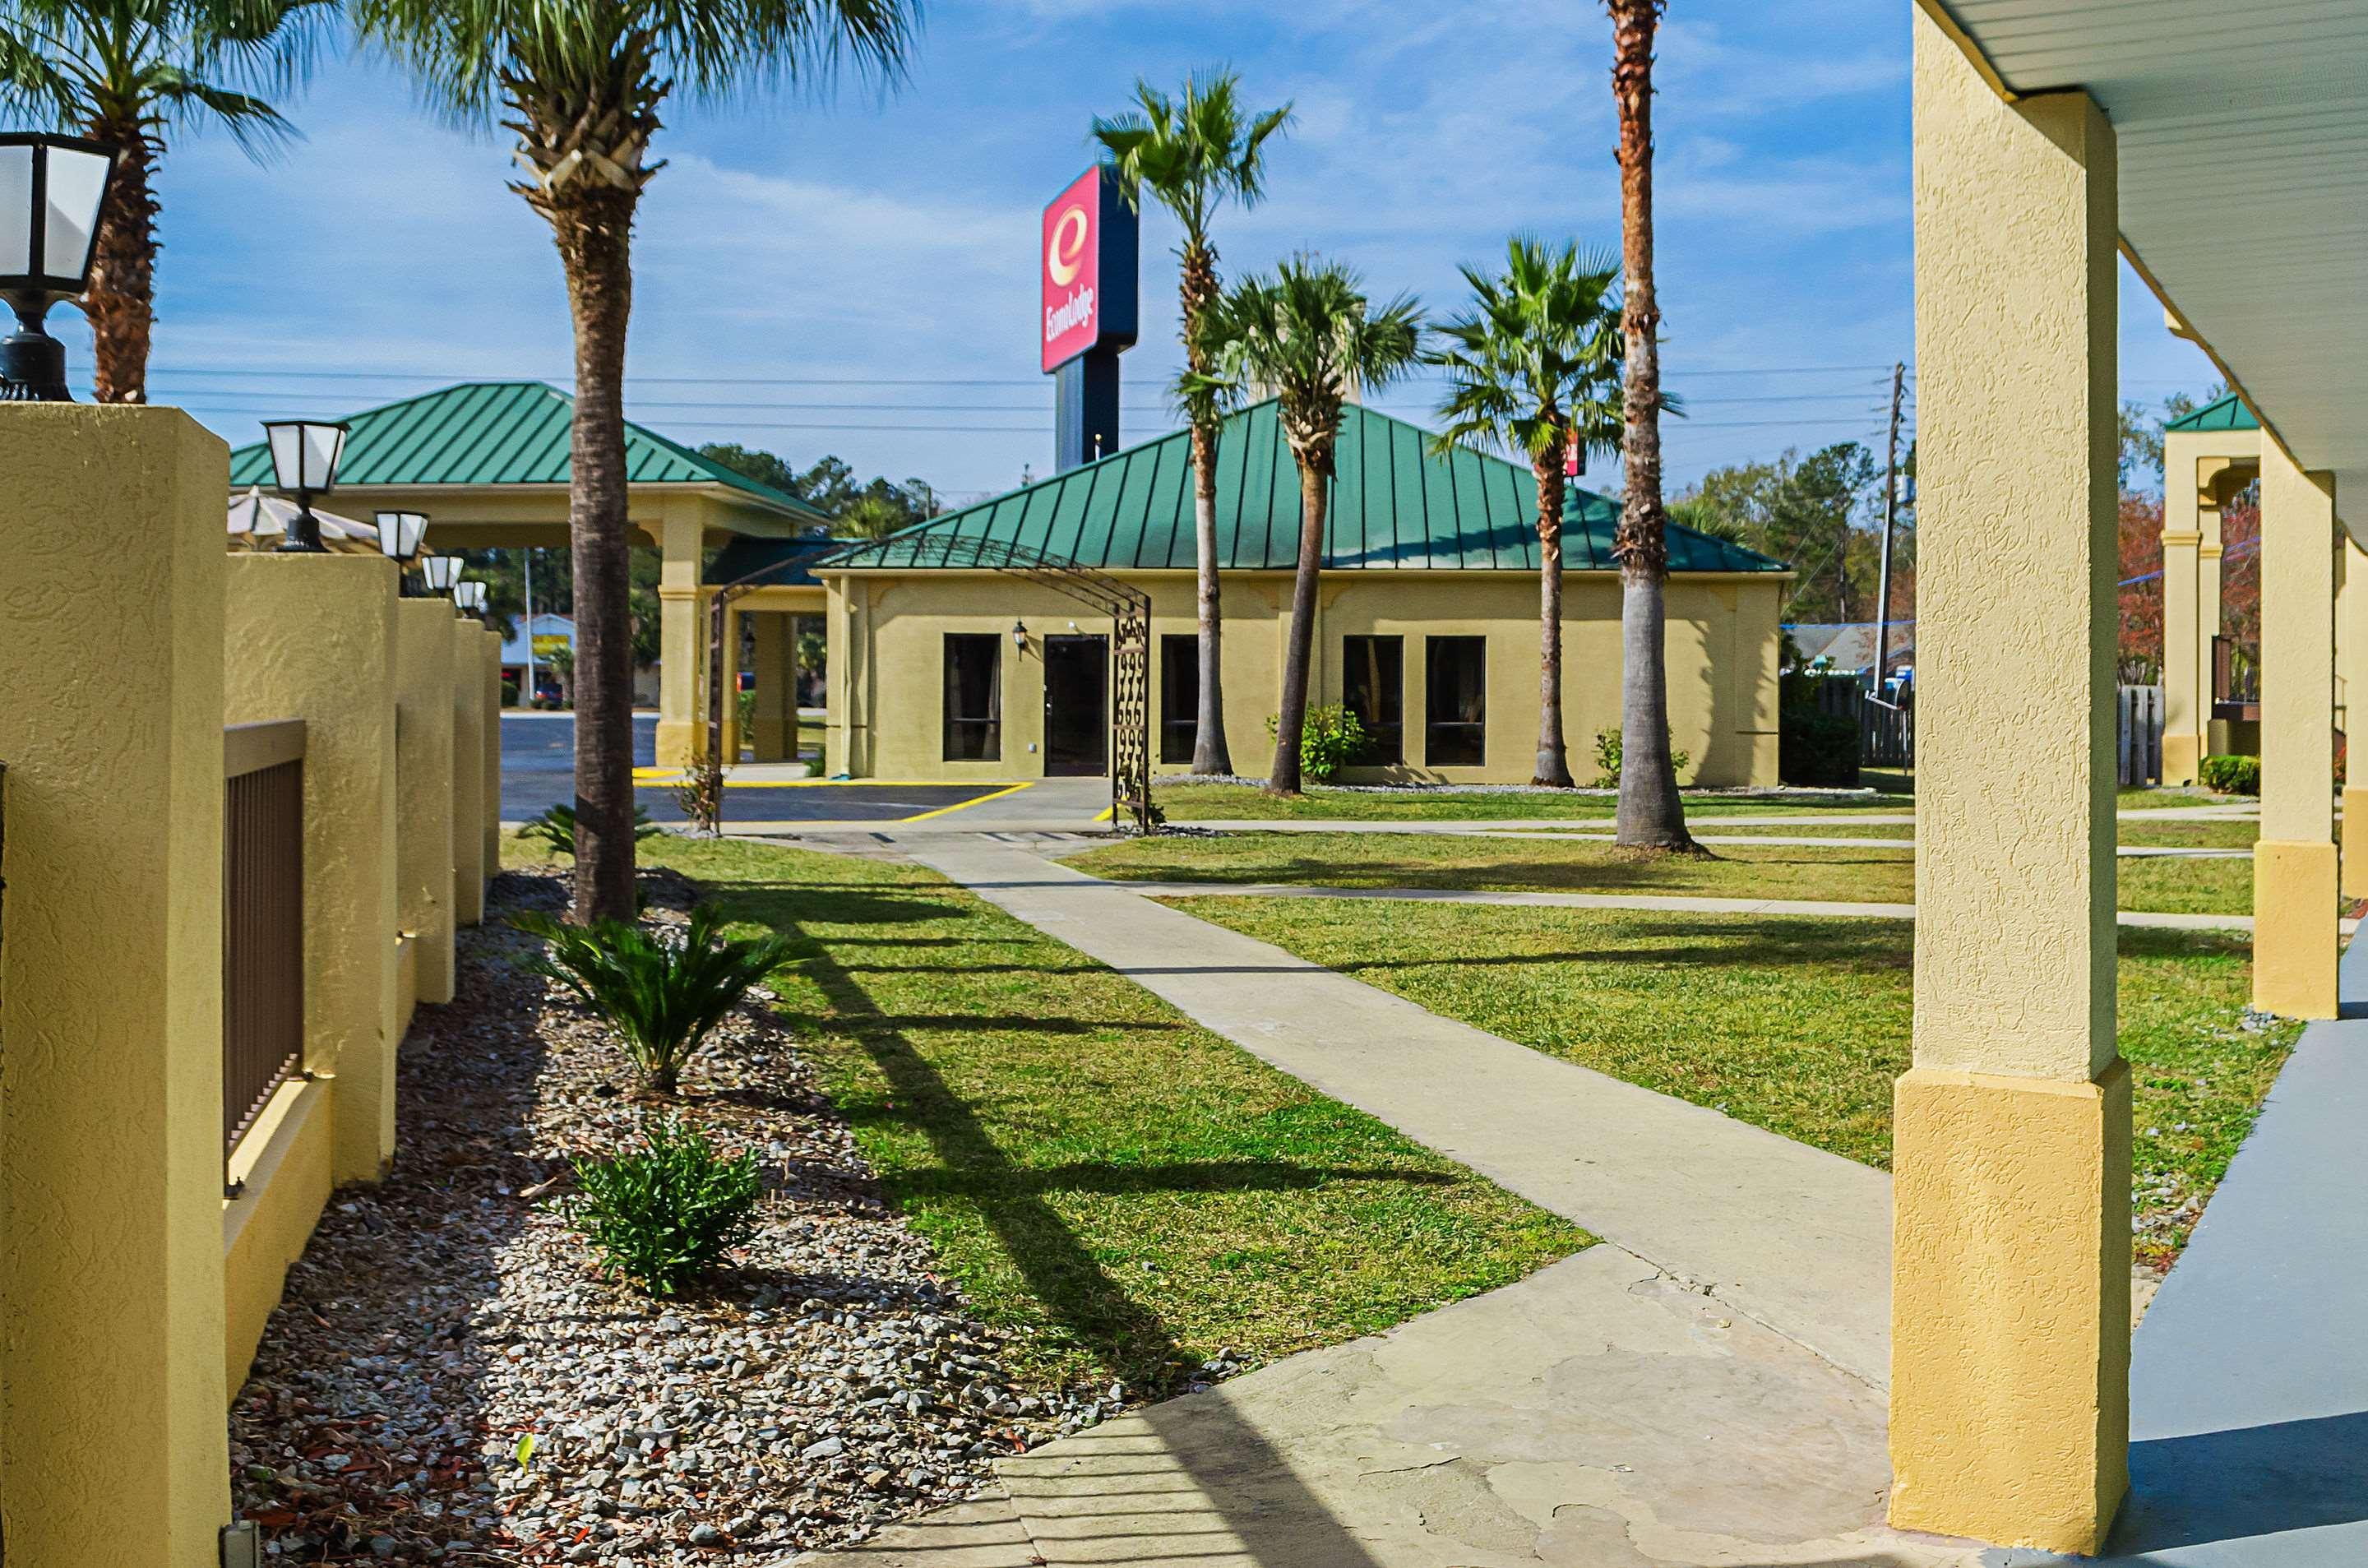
pixel 2294 933
pixel 2353 610
pixel 2186 640
pixel 728 672
pixel 2011 1242
pixel 469 721
pixel 423 768
pixel 682 637
pixel 492 655
pixel 112 1446
pixel 312 637
pixel 2208 619
pixel 773 737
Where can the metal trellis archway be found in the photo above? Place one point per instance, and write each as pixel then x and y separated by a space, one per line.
pixel 1129 608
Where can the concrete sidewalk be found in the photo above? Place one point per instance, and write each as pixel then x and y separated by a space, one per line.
pixel 1703 1387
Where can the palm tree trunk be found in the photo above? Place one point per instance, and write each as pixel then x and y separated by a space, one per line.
pixel 595 233
pixel 1554 759
pixel 1197 283
pixel 120 301
pixel 1210 752
pixel 1282 778
pixel 1651 815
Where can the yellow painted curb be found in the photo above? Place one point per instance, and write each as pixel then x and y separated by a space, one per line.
pixel 965 805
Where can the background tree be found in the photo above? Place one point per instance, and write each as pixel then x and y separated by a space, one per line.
pixel 857 510
pixel 1193 153
pixel 1650 815
pixel 1532 367
pixel 581 82
pixel 135 72
pixel 1309 336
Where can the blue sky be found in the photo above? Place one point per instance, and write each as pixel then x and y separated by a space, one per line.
pixel 810 272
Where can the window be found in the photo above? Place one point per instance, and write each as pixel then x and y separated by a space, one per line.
pixel 1179 696
pixel 1373 686
pixel 974 696
pixel 1458 732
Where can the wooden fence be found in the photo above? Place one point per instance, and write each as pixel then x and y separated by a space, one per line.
pixel 263 917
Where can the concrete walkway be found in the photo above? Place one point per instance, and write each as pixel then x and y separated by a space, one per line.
pixel 1705 1386
pixel 2248 1379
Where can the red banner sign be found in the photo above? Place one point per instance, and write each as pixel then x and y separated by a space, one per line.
pixel 1070 270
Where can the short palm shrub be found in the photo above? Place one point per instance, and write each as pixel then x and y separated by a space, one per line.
pixel 663 993
pixel 2231 775
pixel 1330 738
pixel 1607 759
pixel 557 828
pixel 664 1213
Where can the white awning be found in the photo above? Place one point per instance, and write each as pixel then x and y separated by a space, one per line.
pixel 256 517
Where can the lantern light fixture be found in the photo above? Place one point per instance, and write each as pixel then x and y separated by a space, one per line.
pixel 440 572
pixel 400 535
pixel 51 189
pixel 471 598
pixel 305 456
pixel 1020 635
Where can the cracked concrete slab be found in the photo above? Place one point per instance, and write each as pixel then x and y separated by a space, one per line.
pixel 1598 1414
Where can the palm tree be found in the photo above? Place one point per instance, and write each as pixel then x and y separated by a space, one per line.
pixel 1309 336
pixel 131 73
pixel 581 82
pixel 1193 152
pixel 1650 815
pixel 1533 367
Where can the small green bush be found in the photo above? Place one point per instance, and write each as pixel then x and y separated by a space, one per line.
pixel 2231 775
pixel 1607 759
pixel 1816 749
pixel 664 1213
pixel 660 994
pixel 1332 738
pixel 557 828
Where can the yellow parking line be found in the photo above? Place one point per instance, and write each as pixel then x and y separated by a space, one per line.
pixel 655 776
pixel 965 805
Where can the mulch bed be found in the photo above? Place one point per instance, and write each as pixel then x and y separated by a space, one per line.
pixel 828 1381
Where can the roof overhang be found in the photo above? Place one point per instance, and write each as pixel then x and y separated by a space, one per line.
pixel 2243 138
pixel 505 516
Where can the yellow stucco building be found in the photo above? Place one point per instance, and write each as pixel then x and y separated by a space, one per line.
pixel 943 667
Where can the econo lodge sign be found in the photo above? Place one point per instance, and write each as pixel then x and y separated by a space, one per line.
pixel 1086 267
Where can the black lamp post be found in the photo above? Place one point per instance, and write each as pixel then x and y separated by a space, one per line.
pixel 50 191
pixel 399 538
pixel 305 456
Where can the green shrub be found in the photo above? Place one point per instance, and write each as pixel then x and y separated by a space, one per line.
pixel 664 1213
pixel 1607 759
pixel 660 994
pixel 557 828
pixel 1817 749
pixel 1331 739
pixel 2231 775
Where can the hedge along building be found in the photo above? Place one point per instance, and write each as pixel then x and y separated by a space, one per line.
pixel 487 463
pixel 942 668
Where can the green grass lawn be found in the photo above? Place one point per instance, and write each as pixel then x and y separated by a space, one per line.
pixel 1247 802
pixel 1133 1191
pixel 1797 1025
pixel 1851 873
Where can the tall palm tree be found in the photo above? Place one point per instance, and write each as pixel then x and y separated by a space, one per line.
pixel 1310 336
pixel 1533 367
pixel 1650 815
pixel 581 82
pixel 132 72
pixel 1194 152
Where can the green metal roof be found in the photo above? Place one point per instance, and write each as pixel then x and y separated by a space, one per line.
pixel 1393 505
pixel 501 433
pixel 2224 414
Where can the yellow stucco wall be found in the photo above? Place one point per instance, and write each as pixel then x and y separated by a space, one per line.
pixel 424 705
pixel 886 650
pixel 491 827
pixel 112 1444
pixel 469 721
pixel 283 1165
pixel 312 637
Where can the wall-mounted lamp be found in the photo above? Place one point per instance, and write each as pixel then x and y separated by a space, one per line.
pixel 1020 635
pixel 440 572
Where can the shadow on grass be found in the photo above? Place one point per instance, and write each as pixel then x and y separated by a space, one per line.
pixel 1058 1266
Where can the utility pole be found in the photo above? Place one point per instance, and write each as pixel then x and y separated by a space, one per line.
pixel 526 563
pixel 1890 517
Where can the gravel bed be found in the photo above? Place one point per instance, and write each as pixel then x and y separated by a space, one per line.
pixel 828 1381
